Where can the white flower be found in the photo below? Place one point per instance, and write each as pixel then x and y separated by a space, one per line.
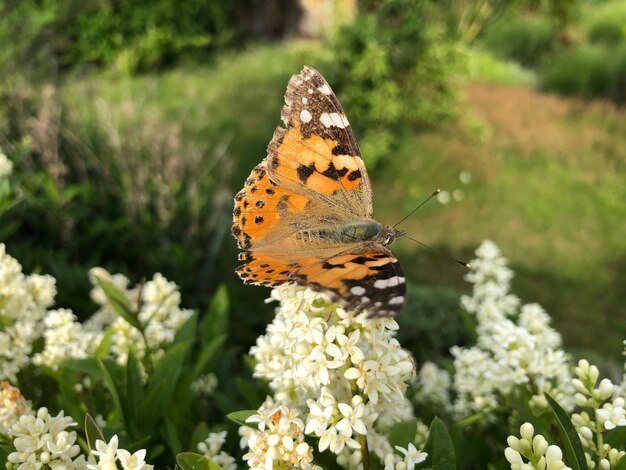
pixel 280 439
pixel 43 440
pixel 352 417
pixel 323 361
pixel 65 339
pixel 213 443
pixel 515 346
pixel 412 456
pixel 23 304
pixel 612 414
pixel 135 461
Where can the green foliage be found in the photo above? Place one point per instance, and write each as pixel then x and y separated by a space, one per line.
pixel 588 71
pixel 135 35
pixel 396 71
pixel 483 66
pixel 527 39
pixel 607 23
pixel 431 323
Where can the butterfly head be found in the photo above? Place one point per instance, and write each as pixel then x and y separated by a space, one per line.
pixel 391 234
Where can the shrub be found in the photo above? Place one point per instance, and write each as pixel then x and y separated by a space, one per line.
pixel 607 23
pixel 588 71
pixel 395 71
pixel 527 39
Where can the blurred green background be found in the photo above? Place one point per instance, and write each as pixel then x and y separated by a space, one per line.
pixel 131 124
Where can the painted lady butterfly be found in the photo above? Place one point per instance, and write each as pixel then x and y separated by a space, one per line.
pixel 305 213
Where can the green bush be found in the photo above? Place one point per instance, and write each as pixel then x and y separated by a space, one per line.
pixel 524 38
pixel 142 35
pixel 431 322
pixel 607 24
pixel 396 71
pixel 589 72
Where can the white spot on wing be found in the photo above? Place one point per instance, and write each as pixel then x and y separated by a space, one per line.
pixel 396 300
pixel 334 119
pixel 305 115
pixel 305 100
pixel 325 89
pixel 357 290
pixel 391 282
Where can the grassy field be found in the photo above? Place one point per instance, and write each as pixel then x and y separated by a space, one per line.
pixel 547 176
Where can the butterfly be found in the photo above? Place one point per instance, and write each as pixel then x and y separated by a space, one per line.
pixel 305 213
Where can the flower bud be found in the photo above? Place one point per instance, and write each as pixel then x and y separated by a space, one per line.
pixel 526 431
pixel 540 445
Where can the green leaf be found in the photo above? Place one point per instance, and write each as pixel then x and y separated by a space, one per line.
pixel 92 432
pixel 187 331
pixel 439 446
pixel 90 366
pixel 134 386
pixel 573 448
pixel 215 322
pixel 162 384
pixel 250 393
pixel 191 461
pixel 117 394
pixel 240 417
pixel 616 438
pixel 402 433
pixel 206 356
pixel 120 303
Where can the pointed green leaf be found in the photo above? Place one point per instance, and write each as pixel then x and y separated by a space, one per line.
pixel 162 384
pixel 134 387
pixel 92 432
pixel 240 417
pixel 401 434
pixel 441 455
pixel 573 448
pixel 206 356
pixel 114 386
pixel 215 322
pixel 616 438
pixel 187 331
pixel 119 302
pixel 191 461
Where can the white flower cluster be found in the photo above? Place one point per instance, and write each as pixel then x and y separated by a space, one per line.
pixel 279 441
pixel 12 406
pixel 534 448
pixel 65 338
pixel 603 409
pixel 108 454
pixel 43 440
pixel 342 374
pixel 158 305
pixel 6 166
pixel 515 345
pixel 23 304
pixel 433 386
pixel 211 448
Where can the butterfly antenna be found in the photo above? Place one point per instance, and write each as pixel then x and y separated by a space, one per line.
pixel 462 263
pixel 435 192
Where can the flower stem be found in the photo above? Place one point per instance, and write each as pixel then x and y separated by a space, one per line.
pixel 365 452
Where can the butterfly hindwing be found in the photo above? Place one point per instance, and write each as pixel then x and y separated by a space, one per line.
pixel 371 280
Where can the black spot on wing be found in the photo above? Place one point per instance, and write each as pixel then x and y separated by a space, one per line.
pixel 334 173
pixel 305 171
pixel 356 174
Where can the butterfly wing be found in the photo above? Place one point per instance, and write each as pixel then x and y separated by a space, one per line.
pixel 370 280
pixel 317 154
